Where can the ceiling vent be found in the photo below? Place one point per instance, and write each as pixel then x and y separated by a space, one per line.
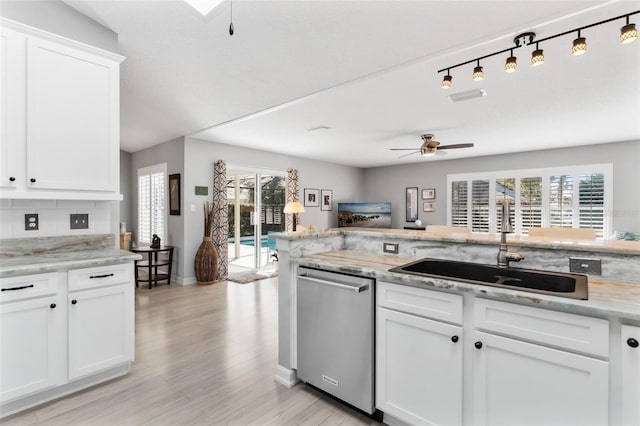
pixel 465 96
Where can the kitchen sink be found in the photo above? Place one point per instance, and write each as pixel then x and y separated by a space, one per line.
pixel 573 286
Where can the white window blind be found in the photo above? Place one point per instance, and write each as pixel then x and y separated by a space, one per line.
pixel 152 202
pixel 575 196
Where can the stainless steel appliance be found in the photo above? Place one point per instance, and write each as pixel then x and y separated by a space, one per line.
pixel 336 335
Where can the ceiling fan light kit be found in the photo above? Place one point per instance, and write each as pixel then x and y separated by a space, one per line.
pixel 628 34
pixel 431 147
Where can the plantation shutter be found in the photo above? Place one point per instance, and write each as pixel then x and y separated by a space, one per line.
pixel 505 188
pixel 480 206
pixel 151 203
pixel 561 201
pixel 591 202
pixel 459 203
pixel 530 203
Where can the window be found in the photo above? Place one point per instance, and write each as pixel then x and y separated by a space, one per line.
pixel 566 197
pixel 152 196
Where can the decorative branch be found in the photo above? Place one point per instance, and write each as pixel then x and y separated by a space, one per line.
pixel 208 218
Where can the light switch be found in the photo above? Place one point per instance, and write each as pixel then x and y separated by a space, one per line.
pixel 79 221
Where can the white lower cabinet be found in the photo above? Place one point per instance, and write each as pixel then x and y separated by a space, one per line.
pixel 521 383
pixel 419 369
pixel 100 329
pixel 32 346
pixel 630 369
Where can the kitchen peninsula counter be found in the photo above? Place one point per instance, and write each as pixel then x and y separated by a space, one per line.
pixel 606 298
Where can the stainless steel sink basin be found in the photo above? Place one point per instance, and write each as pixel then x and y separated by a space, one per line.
pixel 555 283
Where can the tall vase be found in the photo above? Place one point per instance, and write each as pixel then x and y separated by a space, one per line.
pixel 206 263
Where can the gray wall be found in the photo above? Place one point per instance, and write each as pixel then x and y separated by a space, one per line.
pixel 58 18
pixel 388 183
pixel 125 189
pixel 346 183
pixel 172 153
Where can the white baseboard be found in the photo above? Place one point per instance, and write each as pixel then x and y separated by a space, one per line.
pixel 286 376
pixel 183 281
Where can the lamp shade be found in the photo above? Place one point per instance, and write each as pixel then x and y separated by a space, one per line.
pixel 293 207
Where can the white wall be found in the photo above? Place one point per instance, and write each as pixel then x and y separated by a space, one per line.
pixel 346 183
pixel 53 217
pixel 125 189
pixel 58 18
pixel 388 183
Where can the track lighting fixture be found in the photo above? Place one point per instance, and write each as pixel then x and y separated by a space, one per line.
pixel 628 34
pixel 512 63
pixel 537 57
pixel 478 73
pixel 579 46
pixel 446 81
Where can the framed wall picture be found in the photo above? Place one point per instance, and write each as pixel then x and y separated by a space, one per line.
pixel 411 201
pixel 326 200
pixel 174 194
pixel 429 194
pixel 311 197
pixel 428 207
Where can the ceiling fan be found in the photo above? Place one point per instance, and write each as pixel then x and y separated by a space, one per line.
pixel 431 147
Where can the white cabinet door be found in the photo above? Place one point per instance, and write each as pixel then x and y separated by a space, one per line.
pixel 72 118
pixel 630 367
pixel 100 329
pixel 12 106
pixel 517 383
pixel 418 369
pixel 32 346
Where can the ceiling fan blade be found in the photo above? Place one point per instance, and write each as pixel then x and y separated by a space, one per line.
pixel 402 149
pixel 460 145
pixel 411 153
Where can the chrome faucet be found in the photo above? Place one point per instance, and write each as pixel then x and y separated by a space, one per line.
pixel 504 255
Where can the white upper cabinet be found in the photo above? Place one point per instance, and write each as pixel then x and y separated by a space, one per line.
pixel 60 117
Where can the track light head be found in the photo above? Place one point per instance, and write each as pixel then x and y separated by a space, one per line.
pixel 478 73
pixel 446 81
pixel 579 46
pixel 512 63
pixel 628 33
pixel 537 57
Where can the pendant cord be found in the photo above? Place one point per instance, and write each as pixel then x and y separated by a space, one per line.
pixel 231 19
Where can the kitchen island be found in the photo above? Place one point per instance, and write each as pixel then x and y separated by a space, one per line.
pixel 610 314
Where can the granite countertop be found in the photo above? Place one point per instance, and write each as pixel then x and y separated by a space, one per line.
pixel 604 246
pixel 25 256
pixel 36 264
pixel 606 298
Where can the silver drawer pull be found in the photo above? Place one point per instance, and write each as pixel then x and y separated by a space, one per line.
pixel 100 276
pixel 17 288
pixel 358 289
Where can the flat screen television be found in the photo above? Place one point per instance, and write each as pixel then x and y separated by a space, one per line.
pixel 364 215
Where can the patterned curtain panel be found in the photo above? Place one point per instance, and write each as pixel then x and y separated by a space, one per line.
pixel 293 193
pixel 220 230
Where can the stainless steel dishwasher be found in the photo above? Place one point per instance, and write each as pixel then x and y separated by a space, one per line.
pixel 335 335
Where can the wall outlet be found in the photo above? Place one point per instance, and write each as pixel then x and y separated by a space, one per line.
pixel 31 222
pixel 585 266
pixel 79 221
pixel 390 248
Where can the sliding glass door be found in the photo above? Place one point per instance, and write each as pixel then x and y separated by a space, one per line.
pixel 255 202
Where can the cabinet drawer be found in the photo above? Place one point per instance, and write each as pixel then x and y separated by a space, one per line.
pixel 28 286
pixel 426 303
pixel 81 279
pixel 568 331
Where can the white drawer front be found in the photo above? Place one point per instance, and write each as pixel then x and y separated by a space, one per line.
pixel 28 286
pixel 82 279
pixel 559 329
pixel 426 303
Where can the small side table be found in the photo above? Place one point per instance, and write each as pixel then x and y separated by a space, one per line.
pixel 152 264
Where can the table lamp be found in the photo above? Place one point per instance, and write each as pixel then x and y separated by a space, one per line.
pixel 293 207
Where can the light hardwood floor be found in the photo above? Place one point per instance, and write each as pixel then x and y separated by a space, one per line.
pixel 204 355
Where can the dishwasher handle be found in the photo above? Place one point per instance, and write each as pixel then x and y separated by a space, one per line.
pixel 357 289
